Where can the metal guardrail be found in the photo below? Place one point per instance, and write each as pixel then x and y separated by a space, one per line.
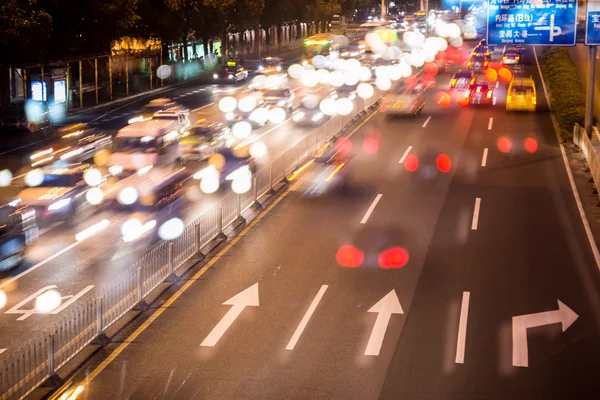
pixel 26 368
pixel 591 150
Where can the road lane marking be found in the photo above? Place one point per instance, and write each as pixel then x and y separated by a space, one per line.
pixel 306 318
pixel 462 328
pixel 497 84
pixel 36 266
pixel 584 220
pixel 476 214
pixel 200 108
pixel 246 298
pixel 384 308
pixel 405 155
pixel 490 124
pixel 371 208
pixel 484 158
pixel 426 121
pixel 494 101
pixel 2 351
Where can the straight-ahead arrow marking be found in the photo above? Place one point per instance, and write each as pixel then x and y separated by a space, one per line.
pixel 384 308
pixel 247 298
pixel 564 315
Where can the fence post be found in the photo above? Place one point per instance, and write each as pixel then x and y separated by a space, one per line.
pixel 221 235
pixel 255 185
pixel 239 209
pixel 271 190
pixel 141 304
pixel 198 240
pixel 51 371
pixel 171 255
pixel 101 338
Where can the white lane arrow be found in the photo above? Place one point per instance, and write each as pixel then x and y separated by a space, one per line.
pixel 564 315
pixel 384 308
pixel 246 298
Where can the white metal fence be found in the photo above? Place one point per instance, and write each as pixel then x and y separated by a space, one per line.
pixel 27 367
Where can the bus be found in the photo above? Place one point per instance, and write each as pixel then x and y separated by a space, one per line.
pixel 320 44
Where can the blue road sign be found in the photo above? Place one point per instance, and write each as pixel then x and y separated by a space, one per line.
pixel 532 22
pixel 592 28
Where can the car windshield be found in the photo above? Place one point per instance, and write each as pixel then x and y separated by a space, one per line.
pixel 61 180
pixel 511 54
pixel 272 63
pixel 145 144
pixel 478 59
pixel 227 70
pixel 522 89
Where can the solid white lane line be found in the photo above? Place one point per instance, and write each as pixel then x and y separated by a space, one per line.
pixel 476 214
pixel 426 121
pixel 50 227
pixel 200 108
pixel 497 84
pixel 484 158
pixel 19 176
pixel 462 329
pixel 490 124
pixel 494 101
pixel 584 220
pixel 370 210
pixel 36 266
pixel 405 155
pixel 306 318
pixel 2 351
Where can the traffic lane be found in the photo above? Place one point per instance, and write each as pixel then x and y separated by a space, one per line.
pixel 58 259
pixel 291 256
pixel 527 250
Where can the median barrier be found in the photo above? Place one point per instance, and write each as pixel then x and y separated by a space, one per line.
pixel 26 368
pixel 591 151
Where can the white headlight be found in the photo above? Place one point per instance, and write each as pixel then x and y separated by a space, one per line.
pixel 229 116
pixel 215 76
pixel 241 171
pixel 317 117
pixel 279 68
pixel 59 204
pixel 260 67
pixel 298 116
pixel 230 76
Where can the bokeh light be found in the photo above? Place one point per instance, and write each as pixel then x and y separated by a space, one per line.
pixel 309 79
pixel 258 82
pixel 351 78
pixel 443 162
pixel 260 116
pixel 295 71
pixel 343 145
pixel 247 104
pixel 3 298
pixel 48 301
pixel 171 229
pixel 462 100
pixel 210 183
pixel 456 42
pixel 128 195
pixel 94 196
pixel 242 184
pixel 531 145
pixel 241 129
pixel 383 83
pixel 163 72
pixel 258 149
pixel 370 145
pixel 328 106
pixel 319 61
pixel 396 257
pixel 505 75
pixel 323 76
pixel 93 177
pixel 277 115
pixel 102 157
pixel 443 99
pixel 34 178
pixel 217 160
pixel 364 74
pixel 349 256
pixel 310 101
pixel 431 68
pixel 491 75
pixel 411 163
pixel 452 31
pixel 336 78
pixel 344 106
pixel 406 69
pixel 365 91
pixel 5 178
pixel 504 144
pixel 227 104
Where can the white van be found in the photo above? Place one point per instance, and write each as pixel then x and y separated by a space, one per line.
pixel 153 142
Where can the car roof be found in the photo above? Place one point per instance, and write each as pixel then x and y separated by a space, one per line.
pixel 463 73
pixel 68 169
pixel 149 127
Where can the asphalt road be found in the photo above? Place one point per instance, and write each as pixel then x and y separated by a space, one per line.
pixel 476 226
pixel 77 269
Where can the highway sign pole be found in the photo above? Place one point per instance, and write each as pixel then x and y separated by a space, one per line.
pixel 589 100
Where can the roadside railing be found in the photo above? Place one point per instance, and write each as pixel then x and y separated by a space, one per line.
pixel 591 150
pixel 37 361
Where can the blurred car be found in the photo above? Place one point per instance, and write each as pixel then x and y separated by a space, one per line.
pixel 203 140
pixel 270 65
pixel 179 114
pixel 61 195
pixel 29 116
pixel 402 101
pixel 353 51
pixel 521 95
pixel 283 98
pixel 477 63
pixel 152 108
pixel 482 50
pixel 232 72
pixel 18 231
pixel 345 91
pixel 480 93
pixel 73 143
pixel 305 116
pixel 483 42
pixel 511 56
pixel 325 171
pixel 461 80
pixel 234 162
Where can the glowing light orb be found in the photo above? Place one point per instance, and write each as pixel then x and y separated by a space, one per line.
pixel 34 178
pixel 171 229
pixel 227 104
pixel 277 115
pixel 241 129
pixel 365 91
pixel 5 178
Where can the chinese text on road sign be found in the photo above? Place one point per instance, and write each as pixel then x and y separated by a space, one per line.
pixel 592 29
pixel 547 22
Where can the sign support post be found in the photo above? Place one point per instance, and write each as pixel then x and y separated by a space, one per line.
pixel 591 85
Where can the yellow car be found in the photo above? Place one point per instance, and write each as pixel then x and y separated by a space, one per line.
pixel 521 95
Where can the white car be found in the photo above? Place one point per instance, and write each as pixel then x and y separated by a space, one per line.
pixel 409 102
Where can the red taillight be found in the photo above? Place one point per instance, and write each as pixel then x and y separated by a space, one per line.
pixel 489 94
pixel 478 89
